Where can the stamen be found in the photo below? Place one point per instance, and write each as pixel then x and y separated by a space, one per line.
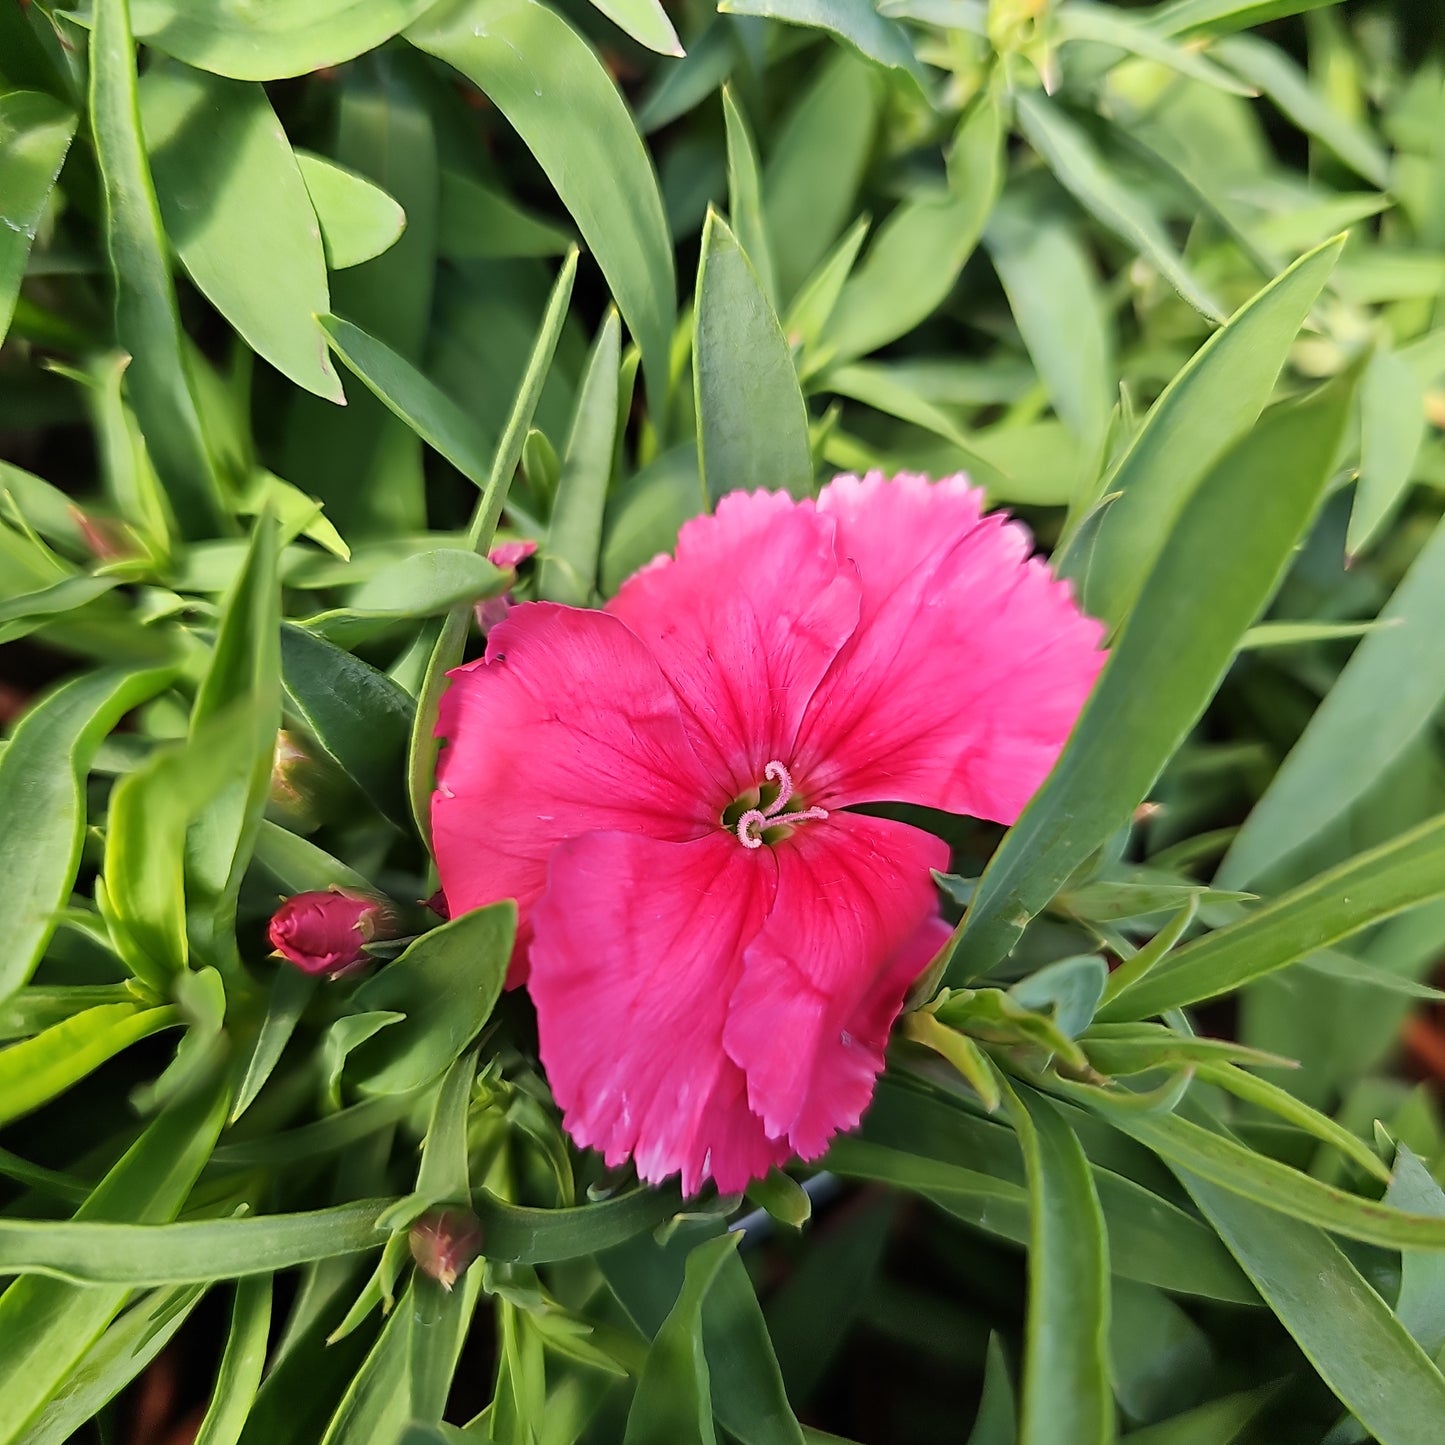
pixel 773 816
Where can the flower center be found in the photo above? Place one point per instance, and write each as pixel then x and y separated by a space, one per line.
pixel 752 824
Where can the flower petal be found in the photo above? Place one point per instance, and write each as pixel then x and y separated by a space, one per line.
pixel 826 977
pixel 969 664
pixel 745 622
pixel 566 727
pixel 638 946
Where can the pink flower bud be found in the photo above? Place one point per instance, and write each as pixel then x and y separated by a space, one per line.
pixel 508 555
pixel 328 932
pixel 444 1242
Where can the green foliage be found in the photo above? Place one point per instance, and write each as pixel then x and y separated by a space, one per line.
pixel 1166 279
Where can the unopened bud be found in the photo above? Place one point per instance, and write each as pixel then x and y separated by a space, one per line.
pixel 327 933
pixel 506 557
pixel 444 1242
pixel 294 799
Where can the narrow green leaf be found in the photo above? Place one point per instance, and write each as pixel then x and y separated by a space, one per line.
pixel 1296 634
pixel 300 866
pixel 749 1400
pixel 35 135
pixel 440 1318
pixel 446 984
pixel 30 611
pixel 574 539
pixel 645 21
pixel 745 199
pixel 1220 1422
pixel 313 1141
pixel 426 584
pixel 1420 1306
pixel 673 1403
pixel 1066 1394
pixel 1277 76
pixel 543 77
pixel 1282 1103
pixel 1220 16
pixel 240 1373
pixel 447 653
pixel 966 1056
pixel 1124 1049
pixel 422 405
pixel 1152 1240
pixel 30 1011
pixel 117 1358
pixel 478 223
pixel 517 1234
pixel 752 423
pixel 1053 293
pixel 275 42
pixel 194 1251
pixel 46 1326
pixel 42 776
pixel 245 673
pixel 1209 583
pixel 1240 1170
pixel 996 1422
pixel 1367 889
pixel 358 219
pixel 47 1183
pixel 1072 158
pixel 813 307
pixel 1351 741
pixel 644 516
pixel 1208 407
pixel 46 508
pixel 245 231
pixel 358 715
pixel 35 1071
pixel 366 468
pixel 1160 1359
pixel 1105 26
pixel 1392 428
pixel 1333 963
pixel 290 992
pixel 813 170
pixel 1362 1352
pixel 142 889
pixel 146 322
pixel 443 1177
pixel 855 22
pixel 874 384
pixel 375 1401
pixel 918 252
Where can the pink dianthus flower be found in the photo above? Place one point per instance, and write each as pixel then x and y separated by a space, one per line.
pixel 717 947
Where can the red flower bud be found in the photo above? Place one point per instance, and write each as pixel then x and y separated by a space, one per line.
pixel 328 932
pixel 444 1242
